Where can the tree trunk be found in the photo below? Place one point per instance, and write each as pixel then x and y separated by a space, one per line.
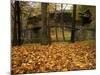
pixel 73 24
pixel 44 33
pixel 15 28
pixel 18 22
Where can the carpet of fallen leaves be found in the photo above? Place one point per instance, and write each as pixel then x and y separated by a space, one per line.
pixel 35 58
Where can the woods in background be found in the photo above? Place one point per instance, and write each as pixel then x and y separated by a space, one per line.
pixel 34 22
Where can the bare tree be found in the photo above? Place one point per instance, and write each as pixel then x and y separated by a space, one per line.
pixel 44 35
pixel 73 24
pixel 15 25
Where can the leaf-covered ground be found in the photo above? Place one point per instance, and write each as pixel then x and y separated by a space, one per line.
pixel 55 57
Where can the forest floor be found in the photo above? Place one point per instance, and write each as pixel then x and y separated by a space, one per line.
pixel 56 57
